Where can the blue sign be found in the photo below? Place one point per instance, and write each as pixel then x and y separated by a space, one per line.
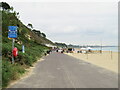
pixel 12 33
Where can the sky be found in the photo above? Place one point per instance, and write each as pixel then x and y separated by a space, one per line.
pixel 73 22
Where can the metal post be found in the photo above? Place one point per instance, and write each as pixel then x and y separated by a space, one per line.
pixel 87 54
pixel 111 54
pixel 13 40
pixel 23 48
pixel 101 46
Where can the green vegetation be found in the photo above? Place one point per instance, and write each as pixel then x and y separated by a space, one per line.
pixel 5 6
pixel 34 42
pixel 61 44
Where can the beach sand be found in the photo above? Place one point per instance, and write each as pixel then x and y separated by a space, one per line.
pixel 107 60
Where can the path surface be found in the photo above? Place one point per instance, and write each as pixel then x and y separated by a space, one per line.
pixel 62 71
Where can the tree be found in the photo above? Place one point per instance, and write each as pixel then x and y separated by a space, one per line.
pixel 11 8
pixel 34 30
pixel 43 35
pixel 61 44
pixel 5 6
pixel 38 33
pixel 30 25
pixel 17 13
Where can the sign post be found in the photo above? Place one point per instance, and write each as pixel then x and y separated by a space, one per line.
pixel 23 48
pixel 12 33
pixel 13 41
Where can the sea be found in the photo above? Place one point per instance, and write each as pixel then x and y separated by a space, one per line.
pixel 107 48
pixel 104 48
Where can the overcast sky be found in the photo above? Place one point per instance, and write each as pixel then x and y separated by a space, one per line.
pixel 72 22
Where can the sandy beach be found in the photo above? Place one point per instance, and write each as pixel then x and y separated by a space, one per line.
pixel 107 60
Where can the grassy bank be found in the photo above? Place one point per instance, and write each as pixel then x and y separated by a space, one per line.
pixel 34 43
pixel 22 61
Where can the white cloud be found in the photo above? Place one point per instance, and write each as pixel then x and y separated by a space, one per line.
pixel 68 22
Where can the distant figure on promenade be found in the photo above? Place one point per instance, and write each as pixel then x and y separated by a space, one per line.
pixel 49 51
pixel 57 50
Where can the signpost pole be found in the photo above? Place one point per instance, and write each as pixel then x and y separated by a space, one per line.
pixel 111 54
pixel 12 33
pixel 101 46
pixel 23 48
pixel 13 41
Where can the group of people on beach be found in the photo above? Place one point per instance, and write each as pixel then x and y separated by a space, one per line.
pixel 67 50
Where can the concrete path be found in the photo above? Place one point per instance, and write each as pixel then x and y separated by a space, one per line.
pixel 62 71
